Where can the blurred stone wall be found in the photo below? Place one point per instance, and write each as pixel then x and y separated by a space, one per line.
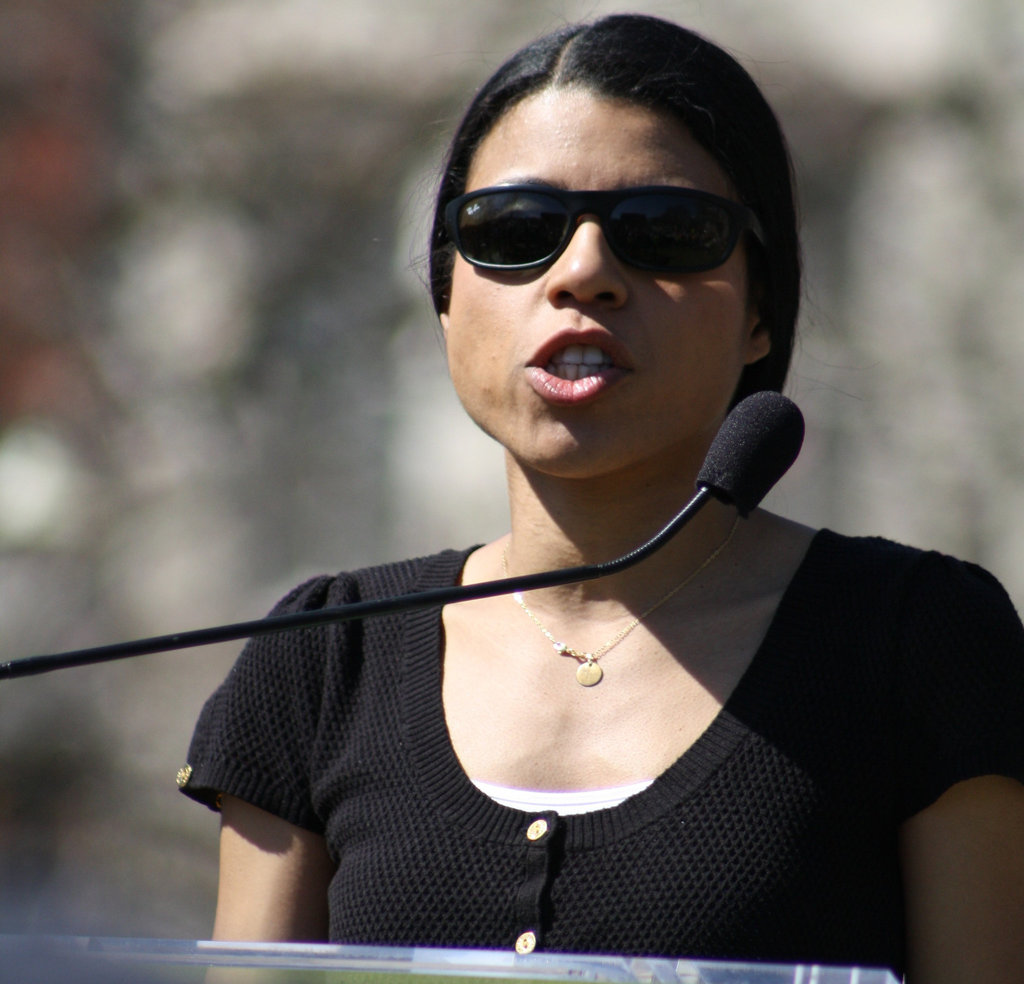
pixel 220 374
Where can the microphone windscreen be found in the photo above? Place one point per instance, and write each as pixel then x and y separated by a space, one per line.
pixel 753 449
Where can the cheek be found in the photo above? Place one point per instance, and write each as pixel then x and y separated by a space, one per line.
pixel 460 326
pixel 476 344
pixel 728 307
pixel 462 321
pixel 481 317
pixel 710 339
pixel 713 312
pixel 467 300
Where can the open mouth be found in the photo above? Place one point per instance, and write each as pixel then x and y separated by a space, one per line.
pixel 579 361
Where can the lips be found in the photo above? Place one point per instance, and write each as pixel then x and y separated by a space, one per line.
pixel 575 367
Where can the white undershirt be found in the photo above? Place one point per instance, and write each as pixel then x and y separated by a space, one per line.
pixel 564 803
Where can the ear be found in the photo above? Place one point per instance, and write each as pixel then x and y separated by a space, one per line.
pixel 759 338
pixel 444 325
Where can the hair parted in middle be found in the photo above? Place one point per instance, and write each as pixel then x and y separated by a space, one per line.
pixel 661 66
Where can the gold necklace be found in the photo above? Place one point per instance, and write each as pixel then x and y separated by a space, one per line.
pixel 588 673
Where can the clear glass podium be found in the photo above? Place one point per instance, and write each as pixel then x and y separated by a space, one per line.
pixel 100 960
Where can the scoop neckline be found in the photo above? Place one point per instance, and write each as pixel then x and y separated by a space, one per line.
pixel 447 789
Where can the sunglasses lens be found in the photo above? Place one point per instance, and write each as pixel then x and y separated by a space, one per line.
pixel 510 229
pixel 671 232
pixel 679 231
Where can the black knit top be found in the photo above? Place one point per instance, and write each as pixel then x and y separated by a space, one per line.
pixel 887 675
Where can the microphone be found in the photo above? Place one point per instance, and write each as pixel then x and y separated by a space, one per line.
pixel 753 449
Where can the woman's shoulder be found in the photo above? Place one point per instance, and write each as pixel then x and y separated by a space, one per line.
pixel 830 547
pixel 914 570
pixel 930 642
pixel 802 563
pixel 390 578
pixel 292 648
pixel 875 587
pixel 925 601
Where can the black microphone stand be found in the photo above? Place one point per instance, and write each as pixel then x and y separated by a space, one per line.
pixel 753 449
pixel 33 665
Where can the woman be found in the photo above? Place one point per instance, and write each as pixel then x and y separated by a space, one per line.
pixel 761 743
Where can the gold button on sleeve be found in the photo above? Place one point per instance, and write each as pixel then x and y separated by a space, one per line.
pixel 537 829
pixel 526 943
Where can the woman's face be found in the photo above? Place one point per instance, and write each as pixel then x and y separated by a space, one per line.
pixel 662 352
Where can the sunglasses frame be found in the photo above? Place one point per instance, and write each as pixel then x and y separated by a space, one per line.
pixel 601 204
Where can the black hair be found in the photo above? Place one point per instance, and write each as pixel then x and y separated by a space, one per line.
pixel 661 66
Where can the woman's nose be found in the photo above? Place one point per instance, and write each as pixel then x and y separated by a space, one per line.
pixel 587 270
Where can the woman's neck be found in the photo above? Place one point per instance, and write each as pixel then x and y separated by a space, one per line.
pixel 558 523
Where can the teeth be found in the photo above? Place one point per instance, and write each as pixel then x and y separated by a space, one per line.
pixel 578 361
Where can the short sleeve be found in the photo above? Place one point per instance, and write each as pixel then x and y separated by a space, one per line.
pixel 255 734
pixel 961 680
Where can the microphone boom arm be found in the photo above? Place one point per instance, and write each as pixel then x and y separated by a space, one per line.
pixel 33 665
pixel 753 449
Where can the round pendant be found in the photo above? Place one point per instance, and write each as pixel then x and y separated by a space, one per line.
pixel 589 673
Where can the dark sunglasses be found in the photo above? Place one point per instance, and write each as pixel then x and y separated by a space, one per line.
pixel 668 229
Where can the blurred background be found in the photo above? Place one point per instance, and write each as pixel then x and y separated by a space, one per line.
pixel 220 372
